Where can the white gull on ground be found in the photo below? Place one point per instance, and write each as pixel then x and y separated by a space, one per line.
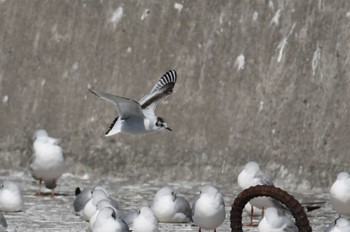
pixel 11 198
pixel 275 221
pixel 250 176
pixel 145 221
pixel 81 198
pixel 208 209
pixel 47 162
pixel 340 194
pixel 99 193
pixel 104 203
pixel 168 207
pixel 108 221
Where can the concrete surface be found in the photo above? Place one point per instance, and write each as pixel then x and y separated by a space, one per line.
pixel 43 214
pixel 257 80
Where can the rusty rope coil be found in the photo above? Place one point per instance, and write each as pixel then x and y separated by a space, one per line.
pixel 292 204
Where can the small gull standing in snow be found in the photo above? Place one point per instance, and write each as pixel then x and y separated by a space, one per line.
pixel 98 194
pixel 145 221
pixel 108 221
pixel 81 198
pixel 275 221
pixel 104 203
pixel 47 162
pixel 208 209
pixel 139 117
pixel 340 194
pixel 168 207
pixel 250 176
pixel 11 198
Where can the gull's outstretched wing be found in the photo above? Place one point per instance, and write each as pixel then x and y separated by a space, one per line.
pixel 125 107
pixel 160 91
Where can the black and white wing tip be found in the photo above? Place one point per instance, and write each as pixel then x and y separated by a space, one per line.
pixel 166 82
pixel 162 89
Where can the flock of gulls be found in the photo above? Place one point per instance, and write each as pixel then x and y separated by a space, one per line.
pixel 96 206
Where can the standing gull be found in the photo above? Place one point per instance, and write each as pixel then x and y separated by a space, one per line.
pixel 340 194
pixel 167 207
pixel 108 220
pixel 251 175
pixel 209 209
pixel 275 221
pixel 145 221
pixel 139 117
pixel 47 162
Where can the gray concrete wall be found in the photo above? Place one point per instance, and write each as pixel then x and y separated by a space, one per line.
pixel 287 107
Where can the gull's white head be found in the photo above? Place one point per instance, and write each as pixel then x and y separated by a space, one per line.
pixel 208 190
pixel 146 212
pixel 343 176
pixel 160 123
pixel 40 134
pixel 252 167
pixel 166 191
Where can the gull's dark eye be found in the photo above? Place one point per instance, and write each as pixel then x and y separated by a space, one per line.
pixel 139 212
pixel 160 121
pixel 114 216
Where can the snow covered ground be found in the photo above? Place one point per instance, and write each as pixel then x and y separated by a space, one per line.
pixel 57 214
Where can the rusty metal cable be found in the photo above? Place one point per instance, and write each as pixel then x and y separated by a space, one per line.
pixel 292 204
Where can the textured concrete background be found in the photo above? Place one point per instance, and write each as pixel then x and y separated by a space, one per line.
pixel 257 80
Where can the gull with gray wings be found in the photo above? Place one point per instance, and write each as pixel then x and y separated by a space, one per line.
pixel 139 117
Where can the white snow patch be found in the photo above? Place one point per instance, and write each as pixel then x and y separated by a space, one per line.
pixel 145 14
pixel 261 106
pixel 255 16
pixel 240 62
pixel 221 19
pixel 65 74
pixel 43 81
pixel 5 99
pixel 276 18
pixel 273 131
pixel 129 50
pixel 178 6
pixel 315 59
pixel 271 5
pixel 281 46
pixel 348 14
pixel 283 43
pixel 74 71
pixel 117 16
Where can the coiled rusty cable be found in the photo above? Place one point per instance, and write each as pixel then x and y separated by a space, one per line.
pixel 301 220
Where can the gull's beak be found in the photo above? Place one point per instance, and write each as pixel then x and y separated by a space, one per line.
pixel 168 128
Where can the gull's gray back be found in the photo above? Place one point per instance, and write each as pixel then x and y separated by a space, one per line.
pixel 82 198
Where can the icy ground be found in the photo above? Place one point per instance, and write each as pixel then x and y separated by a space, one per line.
pixel 57 214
